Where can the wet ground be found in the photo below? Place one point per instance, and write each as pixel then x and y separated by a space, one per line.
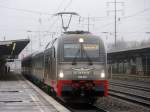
pixel 16 95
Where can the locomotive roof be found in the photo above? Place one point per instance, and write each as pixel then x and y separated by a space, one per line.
pixel 69 35
pixel 33 55
pixel 37 53
pixel 77 34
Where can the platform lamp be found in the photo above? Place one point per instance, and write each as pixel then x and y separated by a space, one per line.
pixel 106 33
pixel 147 32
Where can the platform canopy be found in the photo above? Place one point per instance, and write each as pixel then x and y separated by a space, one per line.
pixel 128 53
pixel 12 48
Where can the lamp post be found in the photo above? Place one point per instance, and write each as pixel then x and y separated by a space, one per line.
pixel 106 33
pixel 147 32
pixel 30 31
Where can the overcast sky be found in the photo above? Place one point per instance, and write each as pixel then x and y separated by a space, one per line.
pixel 19 16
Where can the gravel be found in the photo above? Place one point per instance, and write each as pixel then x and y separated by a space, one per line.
pixel 113 104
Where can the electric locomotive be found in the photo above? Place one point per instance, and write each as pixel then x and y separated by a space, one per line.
pixel 73 67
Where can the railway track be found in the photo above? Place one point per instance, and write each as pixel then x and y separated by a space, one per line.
pixel 130 86
pixel 131 95
pixel 86 108
pixel 79 107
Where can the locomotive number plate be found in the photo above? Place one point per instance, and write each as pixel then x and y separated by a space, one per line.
pixel 82 77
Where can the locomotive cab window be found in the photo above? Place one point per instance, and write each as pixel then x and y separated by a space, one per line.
pixel 91 50
pixel 71 50
pixel 84 50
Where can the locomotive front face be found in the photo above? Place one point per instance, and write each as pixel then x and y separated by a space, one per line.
pixel 83 57
pixel 82 66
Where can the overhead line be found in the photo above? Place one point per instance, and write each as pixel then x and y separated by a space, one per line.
pixel 53 23
pixel 126 17
pixel 25 10
pixel 59 6
pixel 137 13
pixel 69 3
pixel 51 26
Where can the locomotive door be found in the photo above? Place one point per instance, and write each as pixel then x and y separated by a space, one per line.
pixel 53 64
pixel 47 70
pixel 46 59
pixel 49 65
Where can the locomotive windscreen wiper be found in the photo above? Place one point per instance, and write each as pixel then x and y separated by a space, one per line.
pixel 89 59
pixel 74 59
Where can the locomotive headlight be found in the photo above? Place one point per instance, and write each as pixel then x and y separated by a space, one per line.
pixel 61 74
pixel 102 75
pixel 81 40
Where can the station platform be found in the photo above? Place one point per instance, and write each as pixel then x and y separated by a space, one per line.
pixel 19 95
